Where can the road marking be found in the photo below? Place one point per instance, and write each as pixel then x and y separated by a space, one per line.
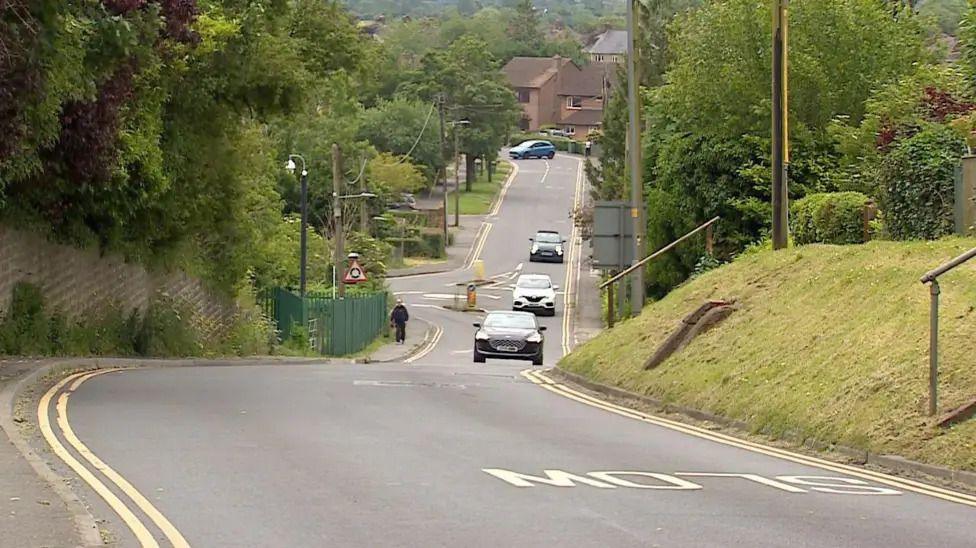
pixel 549 384
pixel 424 305
pixel 569 301
pixel 172 534
pixel 143 536
pixel 428 346
pixel 455 352
pixel 478 246
pixel 399 293
pixel 440 296
pixel 496 207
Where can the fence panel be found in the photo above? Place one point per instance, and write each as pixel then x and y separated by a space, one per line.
pixel 341 327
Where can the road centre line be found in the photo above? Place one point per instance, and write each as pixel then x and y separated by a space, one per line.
pixel 142 534
pixel 549 384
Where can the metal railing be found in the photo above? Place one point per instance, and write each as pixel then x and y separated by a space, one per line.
pixel 707 227
pixel 932 278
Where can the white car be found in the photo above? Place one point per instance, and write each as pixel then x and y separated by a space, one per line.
pixel 534 293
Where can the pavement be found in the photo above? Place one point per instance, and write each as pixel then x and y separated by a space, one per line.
pixel 32 513
pixel 438 451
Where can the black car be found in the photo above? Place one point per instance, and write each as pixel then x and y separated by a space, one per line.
pixel 509 336
pixel 546 246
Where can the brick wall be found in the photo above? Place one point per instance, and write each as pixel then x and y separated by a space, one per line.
pixel 80 282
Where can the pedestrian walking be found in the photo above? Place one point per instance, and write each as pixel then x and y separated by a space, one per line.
pixel 589 146
pixel 398 320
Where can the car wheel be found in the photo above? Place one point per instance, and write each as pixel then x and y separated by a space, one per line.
pixel 478 357
pixel 531 258
pixel 551 312
pixel 551 155
pixel 537 359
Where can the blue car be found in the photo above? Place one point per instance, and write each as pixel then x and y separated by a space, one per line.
pixel 533 149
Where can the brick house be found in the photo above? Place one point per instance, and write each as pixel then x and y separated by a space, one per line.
pixel 556 91
pixel 609 47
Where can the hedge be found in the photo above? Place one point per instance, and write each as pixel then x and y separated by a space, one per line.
pixel 428 243
pixel 918 178
pixel 831 218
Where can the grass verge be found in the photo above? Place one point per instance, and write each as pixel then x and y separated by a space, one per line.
pixel 830 342
pixel 478 201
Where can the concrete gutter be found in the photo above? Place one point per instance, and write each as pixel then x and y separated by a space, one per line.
pixel 892 463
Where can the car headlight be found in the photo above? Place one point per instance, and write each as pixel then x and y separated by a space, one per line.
pixel 559 250
pixel 535 248
pixel 480 336
pixel 535 338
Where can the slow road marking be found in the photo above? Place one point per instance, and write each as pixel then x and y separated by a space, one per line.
pixel 905 484
pixel 657 481
pixel 138 528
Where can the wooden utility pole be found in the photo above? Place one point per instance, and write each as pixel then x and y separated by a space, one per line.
pixel 780 141
pixel 339 259
pixel 442 171
pixel 634 153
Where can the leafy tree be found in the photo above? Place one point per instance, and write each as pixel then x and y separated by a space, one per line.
pixel 475 90
pixel 401 126
pixel 389 175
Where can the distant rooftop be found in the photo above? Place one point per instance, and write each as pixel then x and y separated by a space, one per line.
pixel 611 42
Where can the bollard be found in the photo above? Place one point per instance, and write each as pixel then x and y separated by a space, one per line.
pixel 472 295
pixel 479 270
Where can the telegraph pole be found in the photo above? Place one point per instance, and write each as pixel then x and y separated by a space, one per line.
pixel 364 210
pixel 442 172
pixel 339 258
pixel 780 152
pixel 634 149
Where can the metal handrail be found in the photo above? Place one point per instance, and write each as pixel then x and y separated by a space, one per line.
pixel 932 278
pixel 657 253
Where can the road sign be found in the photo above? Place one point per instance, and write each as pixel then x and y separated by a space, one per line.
pixel 355 274
pixel 612 235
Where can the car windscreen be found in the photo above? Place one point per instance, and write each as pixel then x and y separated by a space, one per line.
pixel 548 238
pixel 514 321
pixel 533 283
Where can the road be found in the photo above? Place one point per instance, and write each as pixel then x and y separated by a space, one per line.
pixel 444 452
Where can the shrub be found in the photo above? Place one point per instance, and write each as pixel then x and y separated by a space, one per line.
pixel 918 181
pixel 830 218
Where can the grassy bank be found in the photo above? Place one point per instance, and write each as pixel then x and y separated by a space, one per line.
pixel 478 201
pixel 829 341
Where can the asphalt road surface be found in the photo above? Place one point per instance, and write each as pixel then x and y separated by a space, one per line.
pixel 444 452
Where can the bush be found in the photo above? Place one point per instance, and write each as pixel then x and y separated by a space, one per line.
pixel 429 242
pixel 918 180
pixel 830 218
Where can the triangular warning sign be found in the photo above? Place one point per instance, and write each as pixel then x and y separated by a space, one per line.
pixel 355 274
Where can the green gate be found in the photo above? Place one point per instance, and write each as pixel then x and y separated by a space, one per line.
pixel 335 327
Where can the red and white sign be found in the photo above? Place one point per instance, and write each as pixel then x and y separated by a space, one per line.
pixel 355 274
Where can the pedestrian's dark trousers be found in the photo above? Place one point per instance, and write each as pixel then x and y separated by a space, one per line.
pixel 401 331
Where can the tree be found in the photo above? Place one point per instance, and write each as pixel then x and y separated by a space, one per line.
pixel 401 126
pixel 523 28
pixel 389 175
pixel 475 90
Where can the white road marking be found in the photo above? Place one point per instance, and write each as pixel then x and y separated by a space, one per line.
pixel 440 296
pixel 428 346
pixel 399 293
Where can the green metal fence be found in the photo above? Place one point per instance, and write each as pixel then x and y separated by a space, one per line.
pixel 335 327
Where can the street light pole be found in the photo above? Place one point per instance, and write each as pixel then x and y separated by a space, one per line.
pixel 457 172
pixel 440 173
pixel 304 207
pixel 339 257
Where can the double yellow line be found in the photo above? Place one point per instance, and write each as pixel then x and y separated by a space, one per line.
pixel 138 528
pixel 862 473
pixel 572 268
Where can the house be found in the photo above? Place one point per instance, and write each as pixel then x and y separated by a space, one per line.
pixel 555 91
pixel 609 47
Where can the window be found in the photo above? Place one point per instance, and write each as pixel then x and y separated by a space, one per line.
pixel 523 95
pixel 524 123
pixel 574 101
pixel 570 130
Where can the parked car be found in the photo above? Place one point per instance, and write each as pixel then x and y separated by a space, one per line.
pixel 509 336
pixel 534 293
pixel 533 149
pixel 547 246
pixel 403 201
